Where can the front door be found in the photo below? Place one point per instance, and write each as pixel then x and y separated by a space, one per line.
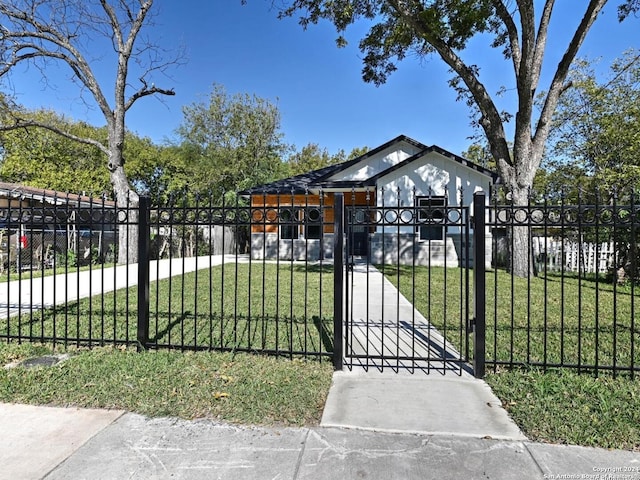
pixel 358 240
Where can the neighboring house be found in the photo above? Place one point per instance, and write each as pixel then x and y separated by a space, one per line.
pixel 292 218
pixel 43 223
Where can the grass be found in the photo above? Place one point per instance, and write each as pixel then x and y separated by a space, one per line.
pixel 530 321
pixel 545 321
pixel 259 307
pixel 568 408
pixel 236 388
pixel 11 275
pixel 248 307
pixel 569 321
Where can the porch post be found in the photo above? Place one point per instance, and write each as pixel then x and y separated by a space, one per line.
pixel 338 279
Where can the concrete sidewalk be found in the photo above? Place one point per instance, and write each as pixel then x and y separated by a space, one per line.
pixel 377 424
pixel 53 443
pixel 431 404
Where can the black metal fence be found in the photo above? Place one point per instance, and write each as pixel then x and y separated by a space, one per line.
pixel 407 295
pixel 276 277
pixel 576 303
pixel 192 283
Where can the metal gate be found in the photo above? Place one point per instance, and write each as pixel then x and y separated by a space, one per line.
pixel 408 303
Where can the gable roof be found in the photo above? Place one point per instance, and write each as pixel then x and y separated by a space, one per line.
pixel 320 179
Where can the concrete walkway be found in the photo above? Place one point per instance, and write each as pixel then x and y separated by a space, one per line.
pixel 378 425
pixel 386 333
pixel 32 294
pixel 453 403
pixel 434 396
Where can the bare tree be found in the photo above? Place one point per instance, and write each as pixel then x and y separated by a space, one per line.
pixel 39 32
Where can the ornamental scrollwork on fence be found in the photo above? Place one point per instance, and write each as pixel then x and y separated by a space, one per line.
pixel 407 216
pixel 563 216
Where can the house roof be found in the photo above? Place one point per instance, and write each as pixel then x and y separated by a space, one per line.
pixel 320 179
pixel 53 197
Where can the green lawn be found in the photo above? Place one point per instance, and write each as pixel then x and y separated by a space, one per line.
pixel 238 388
pixel 232 307
pixel 562 406
pixel 542 321
pixel 528 321
pixel 263 307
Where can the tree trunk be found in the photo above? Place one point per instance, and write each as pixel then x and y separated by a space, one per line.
pixel 128 216
pixel 521 254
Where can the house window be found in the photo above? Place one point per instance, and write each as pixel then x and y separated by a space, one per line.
pixel 296 222
pixel 313 223
pixel 289 223
pixel 431 215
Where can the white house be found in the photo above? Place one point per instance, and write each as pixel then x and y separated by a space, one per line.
pixel 403 202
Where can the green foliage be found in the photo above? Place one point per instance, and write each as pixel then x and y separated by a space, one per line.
pixel 41 158
pixel 144 163
pixel 480 155
pixel 596 137
pixel 627 8
pixel 313 157
pixel 414 27
pixel 44 159
pixel 228 143
pixel 69 259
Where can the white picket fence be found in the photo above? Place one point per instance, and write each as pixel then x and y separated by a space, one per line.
pixel 574 256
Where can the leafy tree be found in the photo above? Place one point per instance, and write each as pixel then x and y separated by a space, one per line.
pixel 597 126
pixel 145 163
pixel 227 143
pixel 480 154
pixel 313 157
pixel 595 149
pixel 40 32
pixel 44 159
pixel 444 28
pixel 354 153
pixel 310 157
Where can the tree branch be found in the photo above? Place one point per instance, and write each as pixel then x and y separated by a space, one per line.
pixel 490 121
pixel 541 41
pixel 146 91
pixel 20 123
pixel 43 34
pixel 557 84
pixel 512 31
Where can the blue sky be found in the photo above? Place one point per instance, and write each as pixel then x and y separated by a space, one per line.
pixel 316 86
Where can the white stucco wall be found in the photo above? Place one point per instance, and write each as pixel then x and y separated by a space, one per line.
pixel 433 175
pixel 378 163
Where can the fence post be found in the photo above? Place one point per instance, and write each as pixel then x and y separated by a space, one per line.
pixel 479 284
pixel 338 279
pixel 143 272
